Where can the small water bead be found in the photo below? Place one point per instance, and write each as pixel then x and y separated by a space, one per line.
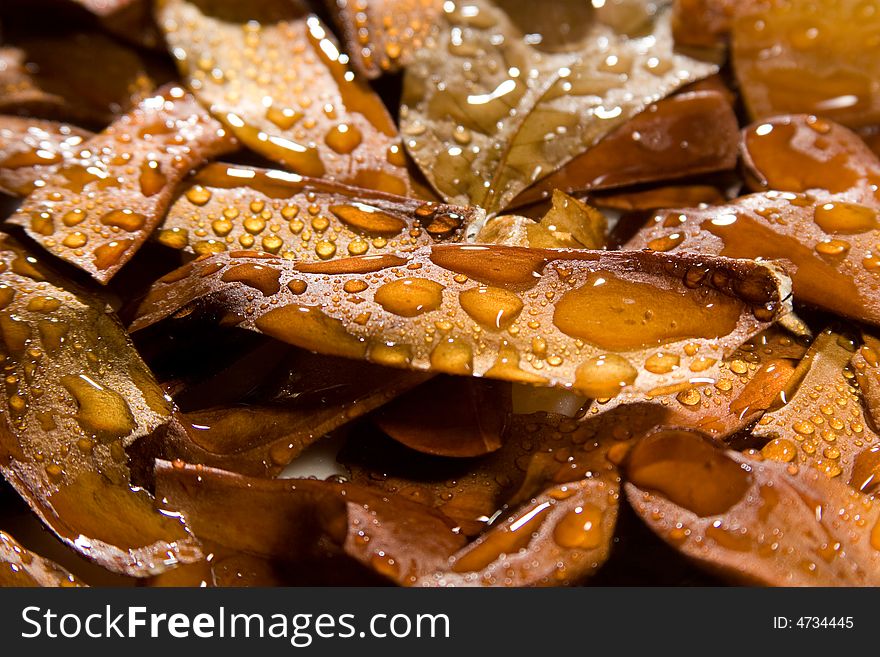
pixel 833 248
pixel 343 138
pixel 325 250
pixel 175 238
pixel 604 376
pixel 580 528
pixel 845 218
pixel 198 195
pixel 491 307
pixel 368 219
pixel 780 449
pixel 124 219
pixel 75 240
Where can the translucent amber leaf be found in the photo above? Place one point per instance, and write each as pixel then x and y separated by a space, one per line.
pixel 382 35
pixel 754 522
pixel 19 567
pixel 686 134
pixel 274 75
pixel 76 395
pixel 866 364
pixel 507 96
pixel 286 520
pixel 28 147
pixel 54 77
pixel 829 233
pixel 96 209
pixel 544 317
pixel 671 196
pixel 823 424
pixel 815 57
pixel 225 207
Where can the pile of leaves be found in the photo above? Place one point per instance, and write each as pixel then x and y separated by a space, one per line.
pixel 439 293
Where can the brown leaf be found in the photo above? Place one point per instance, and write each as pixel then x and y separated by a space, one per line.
pixel 866 364
pixel 77 395
pixel 95 210
pixel 273 74
pixel 54 77
pixel 561 537
pixel 23 568
pixel 509 95
pixel 381 36
pixel 449 416
pixel 680 136
pixel 753 522
pixel 28 147
pixel 231 207
pixel 261 435
pixel 815 57
pixel 486 311
pixel 704 23
pixel 822 425
pixel 127 19
pixel 671 196
pixel 829 233
pixel 290 519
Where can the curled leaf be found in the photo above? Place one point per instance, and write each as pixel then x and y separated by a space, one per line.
pixel 290 519
pixel 544 317
pixel 77 395
pixel 448 416
pixel 753 522
pixel 829 232
pixel 382 35
pixel 686 134
pixel 506 97
pixel 273 74
pixel 54 77
pixel 28 147
pixel 814 57
pixel 95 210
pixel 866 365
pixel 225 207
pixel 822 425
pixel 562 536
pixel 19 567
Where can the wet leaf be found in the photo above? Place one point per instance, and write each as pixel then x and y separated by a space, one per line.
pixel 449 416
pixel 381 36
pixel 815 57
pixel 569 223
pixel 544 317
pixel 686 134
pixel 822 425
pixel 288 519
pixel 19 567
pixel 77 395
pixel 28 147
pixel 275 77
pixel 225 207
pixel 753 522
pixel 54 77
pixel 95 210
pixel 829 232
pixel 866 365
pixel 562 536
pixel 263 433
pixel 672 196
pixel 507 97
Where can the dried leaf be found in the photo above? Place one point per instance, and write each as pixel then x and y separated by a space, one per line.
pixel 260 436
pixel 686 134
pixel 28 147
pixel 829 232
pixel 95 210
pixel 488 111
pixel 449 416
pixel 382 35
pixel 815 57
pixel 303 218
pixel 822 425
pixel 544 317
pixel 755 523
pixel 20 567
pixel 290 519
pixel 76 396
pixel 673 196
pixel 54 77
pixel 275 77
pixel 562 536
